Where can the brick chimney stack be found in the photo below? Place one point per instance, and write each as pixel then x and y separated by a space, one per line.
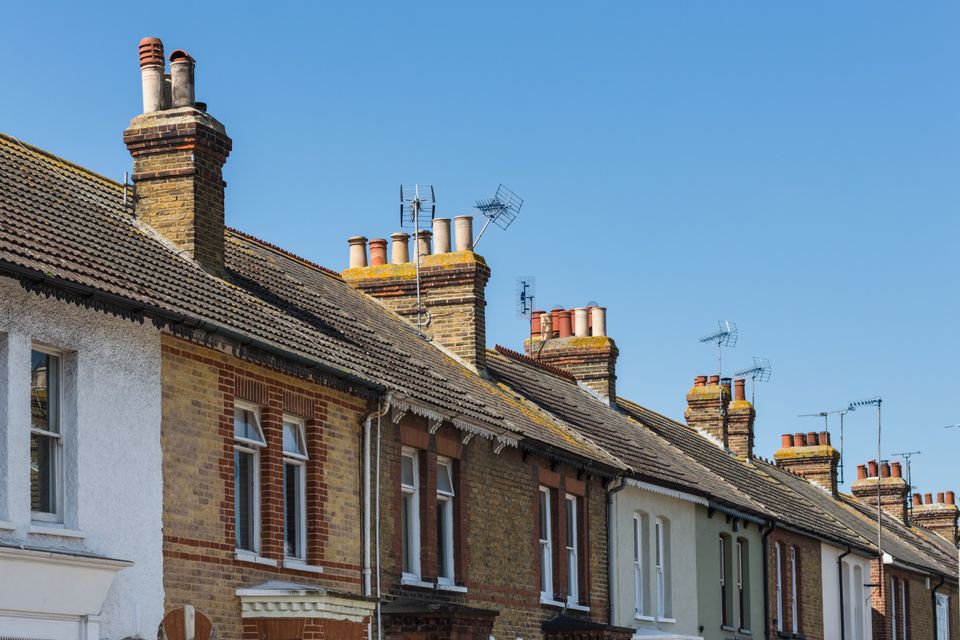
pixel 178 155
pixel 811 456
pixel 452 285
pixel 741 417
pixel 893 488
pixel 576 341
pixel 707 405
pixel 939 517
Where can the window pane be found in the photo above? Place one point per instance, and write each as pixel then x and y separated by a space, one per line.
pixel 636 540
pixel 571 523
pixel 44 391
pixel 405 515
pixel 292 442
pixel 444 481
pixel 291 510
pixel 43 469
pixel 659 533
pixel 243 498
pixel 544 516
pixel 245 425
pixel 407 475
pixel 442 506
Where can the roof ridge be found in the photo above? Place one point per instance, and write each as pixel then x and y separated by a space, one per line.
pixel 269 245
pixel 52 156
pixel 549 368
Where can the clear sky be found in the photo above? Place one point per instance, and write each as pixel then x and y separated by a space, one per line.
pixel 791 166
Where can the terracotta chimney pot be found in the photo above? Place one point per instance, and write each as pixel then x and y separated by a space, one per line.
pixel 884 469
pixel 740 391
pixel 535 323
pixel 825 438
pixel 399 248
pixel 555 321
pixel 872 467
pixel 463 228
pixel 861 472
pixel 813 439
pixel 441 235
pixel 712 380
pixel 917 500
pixel 940 498
pixel 786 441
pixel 928 498
pixel 800 439
pixel 358 251
pixel 581 324
pixel 378 252
pixel 700 381
pixel 564 329
pixel 895 470
pixel 951 498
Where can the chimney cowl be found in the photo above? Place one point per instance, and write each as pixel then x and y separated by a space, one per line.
pixel 151 52
pixel 181 56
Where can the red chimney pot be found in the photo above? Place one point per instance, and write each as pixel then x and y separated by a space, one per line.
pixel 564 329
pixel 861 472
pixel 713 380
pixel 895 470
pixel 917 500
pixel 825 438
pixel 813 439
pixel 151 52
pixel 951 498
pixel 700 381
pixel 740 389
pixel 872 468
pixel 378 252
pixel 786 441
pixel 884 469
pixel 535 322
pixel 928 498
pixel 940 497
pixel 800 439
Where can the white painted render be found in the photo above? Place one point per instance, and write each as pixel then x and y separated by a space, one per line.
pixel 680 515
pixel 854 563
pixel 112 471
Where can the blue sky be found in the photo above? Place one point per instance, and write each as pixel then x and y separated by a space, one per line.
pixel 789 166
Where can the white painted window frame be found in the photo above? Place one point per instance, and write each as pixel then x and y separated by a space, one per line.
pixel 777 550
pixel 251 447
pixel 943 616
pixel 904 611
pixel 638 576
pixel 546 548
pixel 446 499
pixel 298 460
pixel 794 607
pixel 573 550
pixel 724 619
pixel 660 566
pixel 740 593
pixel 55 517
pixel 413 519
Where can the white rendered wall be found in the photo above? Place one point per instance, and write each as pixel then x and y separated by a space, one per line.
pixel 112 461
pixel 830 572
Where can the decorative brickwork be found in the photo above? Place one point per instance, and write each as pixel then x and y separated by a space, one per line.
pixel 178 158
pixel 592 360
pixel 452 296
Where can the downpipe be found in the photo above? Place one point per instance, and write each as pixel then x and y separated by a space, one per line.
pixel 383 405
pixel 843 630
pixel 767 530
pixel 613 576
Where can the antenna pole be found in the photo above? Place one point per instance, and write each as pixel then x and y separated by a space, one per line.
pixel 879 521
pixel 480 235
pixel 842 413
pixel 416 248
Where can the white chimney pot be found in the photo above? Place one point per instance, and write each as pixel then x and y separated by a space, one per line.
pixel 599 320
pixel 358 251
pixel 441 235
pixel 463 227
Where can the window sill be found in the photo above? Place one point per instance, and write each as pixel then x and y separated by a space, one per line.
pixel 455 588
pixel 246 556
pixel 576 606
pixel 637 616
pixel 6 525
pixel 53 530
pixel 727 627
pixel 550 602
pixel 671 621
pixel 409 581
pixel 300 565
pixel 749 632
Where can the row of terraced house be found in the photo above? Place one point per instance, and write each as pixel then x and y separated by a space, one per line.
pixel 205 436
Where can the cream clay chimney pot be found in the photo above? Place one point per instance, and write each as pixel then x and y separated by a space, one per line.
pixel 358 251
pixel 181 74
pixel 581 322
pixel 598 320
pixel 441 235
pixel 399 248
pixel 463 227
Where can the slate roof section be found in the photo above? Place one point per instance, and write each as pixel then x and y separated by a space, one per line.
pixel 67 227
pixel 650 457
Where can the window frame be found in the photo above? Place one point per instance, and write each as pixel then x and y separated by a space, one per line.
pixel 724 612
pixel 942 616
pixel 779 585
pixel 572 504
pixel 56 516
pixel 412 518
pixel 298 460
pixel 639 577
pixel 741 609
pixel 661 564
pixel 904 611
pixel 794 591
pixel 446 498
pixel 248 446
pixel 545 547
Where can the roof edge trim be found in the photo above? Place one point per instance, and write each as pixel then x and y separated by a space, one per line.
pixel 664 491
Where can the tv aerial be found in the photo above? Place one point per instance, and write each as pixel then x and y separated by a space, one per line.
pixel 906 455
pixel 725 336
pixel 525 295
pixel 759 372
pixel 501 209
pixel 418 205
pixel 826 427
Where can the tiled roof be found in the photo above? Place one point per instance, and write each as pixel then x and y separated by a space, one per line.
pixel 650 457
pixel 63 228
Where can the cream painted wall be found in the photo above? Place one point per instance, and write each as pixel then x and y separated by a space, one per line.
pixel 111 453
pixel 831 595
pixel 709 530
pixel 680 518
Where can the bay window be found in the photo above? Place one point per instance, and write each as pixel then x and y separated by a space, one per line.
pixel 46 438
pixel 546 546
pixel 445 496
pixel 248 441
pixel 410 513
pixel 294 489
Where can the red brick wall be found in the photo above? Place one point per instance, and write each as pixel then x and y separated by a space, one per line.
pixel 809 584
pixel 920 608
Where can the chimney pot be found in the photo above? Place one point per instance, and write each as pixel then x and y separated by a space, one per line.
pixel 895 470
pixel 884 469
pixel 181 73
pixel 152 77
pixel 800 439
pixel 825 438
pixel 399 248
pixel 378 252
pixel 441 235
pixel 358 251
pixel 872 467
pixel 917 500
pixel 928 498
pixel 727 385
pixel 423 242
pixel 546 326
pixel 700 381
pixel 739 386
pixel 813 439
pixel 940 499
pixel 598 321
pixel 786 441
pixel 563 329
pixel 861 472
pixel 581 326
pixel 713 380
pixel 463 227
pixel 951 498
pixel 535 323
